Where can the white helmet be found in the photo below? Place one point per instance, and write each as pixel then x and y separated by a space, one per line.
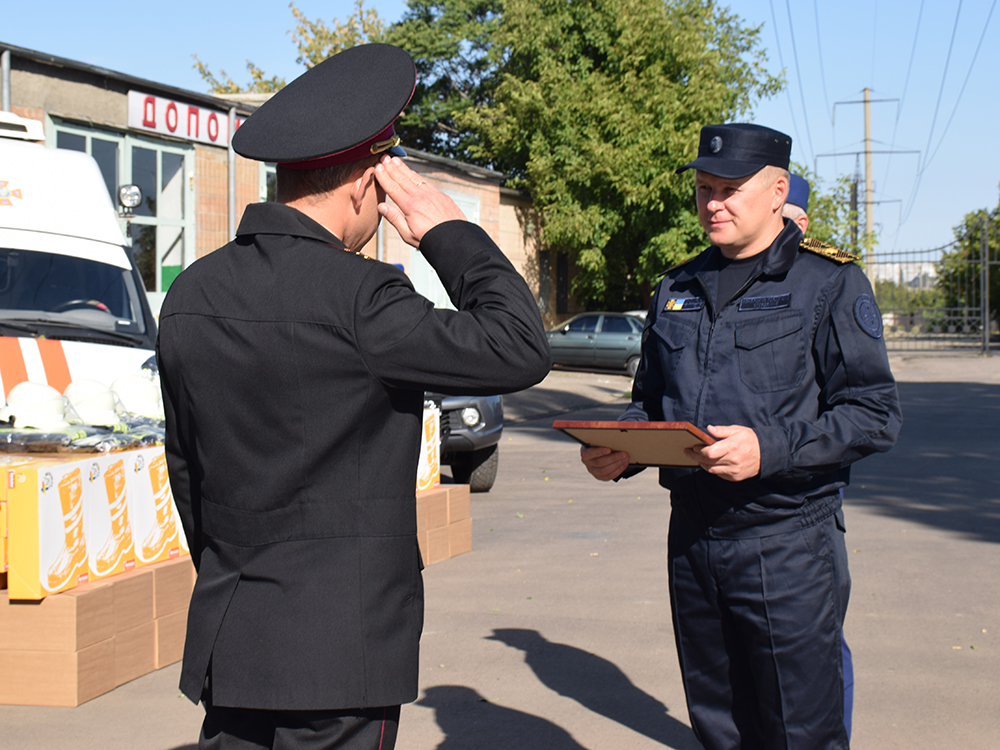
pixel 35 405
pixel 94 402
pixel 139 396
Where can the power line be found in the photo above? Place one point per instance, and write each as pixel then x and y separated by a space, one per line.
pixel 906 84
pixel 781 59
pixel 962 90
pixel 822 72
pixel 798 74
pixel 937 106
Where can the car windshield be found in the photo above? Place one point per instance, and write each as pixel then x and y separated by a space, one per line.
pixel 65 290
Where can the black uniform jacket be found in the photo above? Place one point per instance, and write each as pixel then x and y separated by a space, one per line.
pixel 797 355
pixel 293 374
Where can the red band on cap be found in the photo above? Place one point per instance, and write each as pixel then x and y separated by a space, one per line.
pixel 344 157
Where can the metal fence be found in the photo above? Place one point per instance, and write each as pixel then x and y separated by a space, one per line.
pixel 935 300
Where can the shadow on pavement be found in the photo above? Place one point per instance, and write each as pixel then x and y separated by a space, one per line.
pixel 944 470
pixel 540 402
pixel 598 685
pixel 470 722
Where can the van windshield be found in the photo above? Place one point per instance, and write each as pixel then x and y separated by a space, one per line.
pixel 43 286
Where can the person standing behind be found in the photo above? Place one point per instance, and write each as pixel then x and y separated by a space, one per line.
pixel 293 370
pixel 773 345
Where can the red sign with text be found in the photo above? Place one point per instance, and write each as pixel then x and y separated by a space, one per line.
pixel 188 121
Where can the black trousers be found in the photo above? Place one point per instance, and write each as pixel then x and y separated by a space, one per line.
pixel 252 729
pixel 758 624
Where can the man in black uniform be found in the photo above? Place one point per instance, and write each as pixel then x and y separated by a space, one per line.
pixel 773 344
pixel 293 371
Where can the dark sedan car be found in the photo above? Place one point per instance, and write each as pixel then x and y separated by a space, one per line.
pixel 598 340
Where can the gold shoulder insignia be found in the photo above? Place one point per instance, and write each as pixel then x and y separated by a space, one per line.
pixel 827 251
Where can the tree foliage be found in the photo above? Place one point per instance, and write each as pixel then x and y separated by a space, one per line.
pixel 596 105
pixel 259 83
pixel 452 43
pixel 316 41
pixel 959 270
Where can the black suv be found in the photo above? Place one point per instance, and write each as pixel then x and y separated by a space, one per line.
pixel 470 431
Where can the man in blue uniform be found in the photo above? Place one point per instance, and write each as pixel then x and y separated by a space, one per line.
pixel 773 344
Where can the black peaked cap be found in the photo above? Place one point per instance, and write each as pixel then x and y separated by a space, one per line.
pixel 336 105
pixel 739 150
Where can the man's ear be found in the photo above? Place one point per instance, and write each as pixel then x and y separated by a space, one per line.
pixel 780 193
pixel 359 189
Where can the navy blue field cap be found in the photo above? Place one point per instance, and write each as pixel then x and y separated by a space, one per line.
pixel 739 150
pixel 798 192
pixel 338 111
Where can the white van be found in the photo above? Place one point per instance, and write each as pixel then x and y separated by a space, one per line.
pixel 72 302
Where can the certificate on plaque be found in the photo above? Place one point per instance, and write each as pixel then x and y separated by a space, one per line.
pixel 647 443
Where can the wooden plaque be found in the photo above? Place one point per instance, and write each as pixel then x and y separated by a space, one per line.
pixel 647 443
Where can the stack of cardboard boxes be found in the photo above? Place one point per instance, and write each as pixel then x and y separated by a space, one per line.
pixel 74 646
pixel 444 525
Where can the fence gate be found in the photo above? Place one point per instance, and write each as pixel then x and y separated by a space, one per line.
pixel 936 300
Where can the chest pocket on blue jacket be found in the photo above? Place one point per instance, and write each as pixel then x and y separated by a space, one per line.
pixel 673 331
pixel 772 352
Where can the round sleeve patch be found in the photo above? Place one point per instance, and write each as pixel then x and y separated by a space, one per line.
pixel 867 314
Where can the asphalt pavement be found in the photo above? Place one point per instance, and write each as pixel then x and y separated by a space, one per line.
pixel 554 632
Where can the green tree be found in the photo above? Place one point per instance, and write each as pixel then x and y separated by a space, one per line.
pixel 597 103
pixel 453 44
pixel 959 270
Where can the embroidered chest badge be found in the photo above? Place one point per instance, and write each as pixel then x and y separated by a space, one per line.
pixel 774 302
pixel 684 304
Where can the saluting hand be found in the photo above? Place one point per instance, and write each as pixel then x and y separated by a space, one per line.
pixel 419 205
pixel 735 456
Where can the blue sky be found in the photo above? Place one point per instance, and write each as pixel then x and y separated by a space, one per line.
pixel 838 49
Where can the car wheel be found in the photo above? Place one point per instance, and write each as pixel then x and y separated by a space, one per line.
pixel 632 366
pixel 478 469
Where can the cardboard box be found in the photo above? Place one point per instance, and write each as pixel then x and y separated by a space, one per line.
pixel 432 509
pixel 46 526
pixel 133 600
pixel 155 522
pixel 55 678
pixel 135 652
pixel 173 582
pixel 170 632
pixel 460 537
pixel 73 519
pixel 429 466
pixel 437 545
pixel 64 623
pixel 459 503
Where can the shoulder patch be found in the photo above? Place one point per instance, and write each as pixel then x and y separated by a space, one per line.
pixel 827 251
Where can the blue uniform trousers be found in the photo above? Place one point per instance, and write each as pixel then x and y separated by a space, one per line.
pixel 758 623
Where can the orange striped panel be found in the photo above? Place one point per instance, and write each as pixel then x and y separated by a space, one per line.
pixel 12 367
pixel 54 362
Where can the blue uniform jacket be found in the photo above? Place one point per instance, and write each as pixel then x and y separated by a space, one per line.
pixel 797 355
